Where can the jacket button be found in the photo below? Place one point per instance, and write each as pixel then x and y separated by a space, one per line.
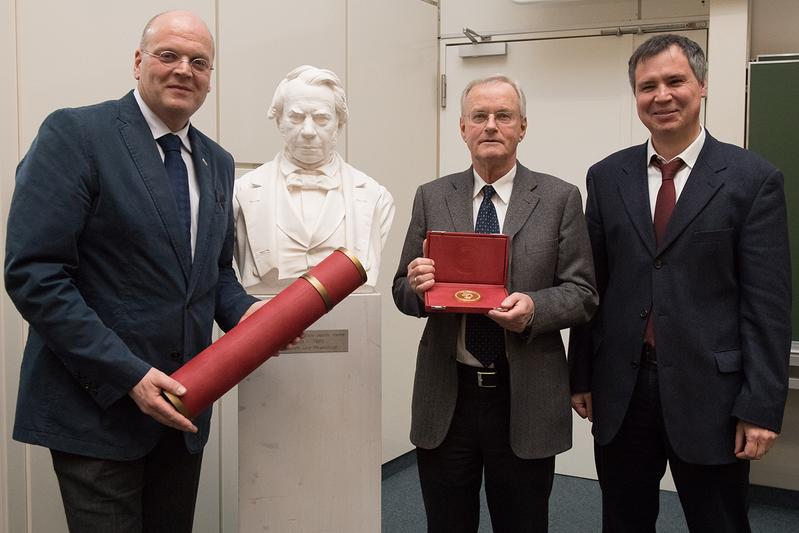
pixel 176 356
pixel 644 313
pixel 658 263
pixel 634 364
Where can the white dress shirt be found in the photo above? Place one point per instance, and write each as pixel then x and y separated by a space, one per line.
pixel 159 129
pixel 689 157
pixel 503 187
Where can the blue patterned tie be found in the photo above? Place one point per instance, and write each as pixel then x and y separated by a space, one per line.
pixel 178 180
pixel 485 339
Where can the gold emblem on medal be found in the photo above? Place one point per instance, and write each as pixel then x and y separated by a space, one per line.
pixel 467 296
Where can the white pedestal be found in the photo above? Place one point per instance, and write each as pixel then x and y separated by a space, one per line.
pixel 310 434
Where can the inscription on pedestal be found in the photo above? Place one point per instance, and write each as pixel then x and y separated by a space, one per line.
pixel 322 341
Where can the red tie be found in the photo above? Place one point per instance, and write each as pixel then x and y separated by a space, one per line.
pixel 667 197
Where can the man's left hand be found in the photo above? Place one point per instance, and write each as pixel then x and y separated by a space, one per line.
pixel 752 442
pixel 252 309
pixel 256 306
pixel 514 312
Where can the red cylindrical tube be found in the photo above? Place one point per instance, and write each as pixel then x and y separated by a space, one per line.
pixel 221 366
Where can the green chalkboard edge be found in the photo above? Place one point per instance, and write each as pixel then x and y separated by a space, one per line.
pixel 763 61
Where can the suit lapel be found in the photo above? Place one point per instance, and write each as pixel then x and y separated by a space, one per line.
pixel 703 183
pixel 522 201
pixel 459 201
pixel 144 153
pixel 634 190
pixel 208 200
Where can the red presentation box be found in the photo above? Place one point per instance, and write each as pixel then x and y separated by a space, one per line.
pixel 471 271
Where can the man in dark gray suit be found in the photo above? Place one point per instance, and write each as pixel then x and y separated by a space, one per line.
pixel 686 361
pixel 491 394
pixel 119 257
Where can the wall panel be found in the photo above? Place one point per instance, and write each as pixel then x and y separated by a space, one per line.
pixel 73 54
pixel 12 455
pixel 392 93
pixel 259 43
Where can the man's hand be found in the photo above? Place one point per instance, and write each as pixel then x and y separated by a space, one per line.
pixel 253 308
pixel 292 344
pixel 421 273
pixel 752 442
pixel 147 395
pixel 514 313
pixel 256 306
pixel 581 403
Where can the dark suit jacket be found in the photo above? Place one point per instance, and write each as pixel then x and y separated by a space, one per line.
pixel 96 265
pixel 550 260
pixel 720 289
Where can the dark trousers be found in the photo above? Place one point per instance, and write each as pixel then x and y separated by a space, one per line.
pixel 713 498
pixel 153 494
pixel 478 443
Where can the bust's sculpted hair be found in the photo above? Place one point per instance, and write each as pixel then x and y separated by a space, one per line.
pixel 311 76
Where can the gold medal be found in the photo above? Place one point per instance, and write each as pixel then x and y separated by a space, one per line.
pixel 467 296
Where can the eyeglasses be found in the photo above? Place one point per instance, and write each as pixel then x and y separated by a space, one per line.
pixel 170 58
pixel 500 117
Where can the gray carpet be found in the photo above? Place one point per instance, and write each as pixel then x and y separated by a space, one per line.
pixel 574 505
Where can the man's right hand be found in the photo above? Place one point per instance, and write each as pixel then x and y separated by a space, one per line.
pixel 581 403
pixel 421 273
pixel 147 395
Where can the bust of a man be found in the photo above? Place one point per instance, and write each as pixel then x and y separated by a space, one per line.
pixel 295 210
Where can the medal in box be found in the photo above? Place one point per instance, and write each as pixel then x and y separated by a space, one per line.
pixel 471 271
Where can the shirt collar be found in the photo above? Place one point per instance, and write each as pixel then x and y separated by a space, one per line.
pixel 330 169
pixel 503 186
pixel 157 126
pixel 689 155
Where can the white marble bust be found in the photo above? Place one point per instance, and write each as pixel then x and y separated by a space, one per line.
pixel 293 211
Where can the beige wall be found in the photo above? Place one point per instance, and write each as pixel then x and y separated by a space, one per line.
pixel 12 458
pixel 773 27
pixel 392 90
pixel 727 48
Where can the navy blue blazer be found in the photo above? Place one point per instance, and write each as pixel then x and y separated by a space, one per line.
pixel 719 285
pixel 96 264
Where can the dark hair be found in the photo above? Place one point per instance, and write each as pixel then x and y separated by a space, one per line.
pixel 657 44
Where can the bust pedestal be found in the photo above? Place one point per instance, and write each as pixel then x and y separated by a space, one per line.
pixel 310 432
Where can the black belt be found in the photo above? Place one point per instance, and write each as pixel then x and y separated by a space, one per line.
pixel 648 355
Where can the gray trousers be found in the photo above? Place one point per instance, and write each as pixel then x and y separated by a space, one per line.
pixel 154 494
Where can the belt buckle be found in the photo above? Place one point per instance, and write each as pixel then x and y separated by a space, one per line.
pixel 480 380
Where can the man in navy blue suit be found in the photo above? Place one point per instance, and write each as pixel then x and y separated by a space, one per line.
pixel 119 257
pixel 686 361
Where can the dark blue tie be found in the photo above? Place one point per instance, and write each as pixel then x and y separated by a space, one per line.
pixel 178 180
pixel 485 339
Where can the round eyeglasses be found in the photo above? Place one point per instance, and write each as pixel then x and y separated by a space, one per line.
pixel 501 117
pixel 170 58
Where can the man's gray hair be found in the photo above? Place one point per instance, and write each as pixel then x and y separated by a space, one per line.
pixel 657 44
pixel 496 78
pixel 311 76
